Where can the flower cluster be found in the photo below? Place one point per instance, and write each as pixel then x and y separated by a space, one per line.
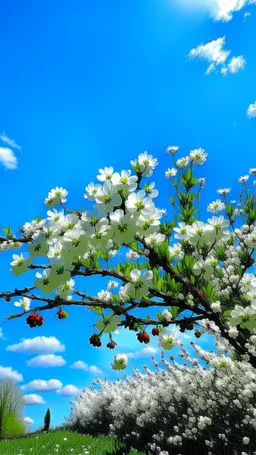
pixel 176 410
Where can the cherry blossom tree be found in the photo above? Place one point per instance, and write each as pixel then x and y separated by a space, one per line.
pixel 199 275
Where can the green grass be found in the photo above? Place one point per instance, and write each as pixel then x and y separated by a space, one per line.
pixel 46 444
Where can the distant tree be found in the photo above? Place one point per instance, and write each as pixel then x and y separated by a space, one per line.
pixel 11 405
pixel 47 419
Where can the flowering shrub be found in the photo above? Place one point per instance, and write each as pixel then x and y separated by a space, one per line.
pixel 186 265
pixel 185 409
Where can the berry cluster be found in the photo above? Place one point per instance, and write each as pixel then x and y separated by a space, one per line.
pixel 111 345
pixel 95 340
pixel 35 320
pixel 143 337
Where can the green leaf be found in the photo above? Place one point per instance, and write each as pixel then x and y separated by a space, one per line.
pixel 7 231
pixel 175 311
pixel 226 313
pixel 160 316
pixel 96 309
pixel 189 261
pixel 209 291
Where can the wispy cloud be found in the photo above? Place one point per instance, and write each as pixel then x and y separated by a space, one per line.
pixel 215 54
pixel 8 158
pixel 247 14
pixel 9 141
pixel 80 365
pixel 2 335
pixel 144 352
pixel 236 64
pixel 219 10
pixel 37 345
pixel 251 111
pixel 46 361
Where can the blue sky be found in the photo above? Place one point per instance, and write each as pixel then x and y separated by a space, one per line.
pixel 91 84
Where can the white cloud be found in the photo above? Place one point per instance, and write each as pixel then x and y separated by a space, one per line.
pixel 144 352
pixel 33 399
pixel 80 365
pixel 37 345
pixel 247 14
pixel 219 10
pixel 8 158
pixel 251 111
pixel 68 391
pixel 215 54
pixel 28 421
pixel 236 64
pixel 40 385
pixel 47 360
pixel 8 372
pixel 95 370
pixel 9 141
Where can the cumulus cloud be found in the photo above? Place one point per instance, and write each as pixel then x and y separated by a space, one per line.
pixel 251 111
pixel 80 365
pixel 40 385
pixel 215 54
pixel 68 391
pixel 33 399
pixel 144 352
pixel 219 10
pixel 46 361
pixel 37 345
pixel 8 372
pixel 8 158
pixel 9 141
pixel 28 421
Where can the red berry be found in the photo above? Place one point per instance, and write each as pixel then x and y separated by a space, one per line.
pixel 197 334
pixel 98 343
pixel 155 331
pixel 146 338
pixel 33 324
pixel 140 337
pixel 61 315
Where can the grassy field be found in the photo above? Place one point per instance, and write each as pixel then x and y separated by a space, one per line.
pixel 59 443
